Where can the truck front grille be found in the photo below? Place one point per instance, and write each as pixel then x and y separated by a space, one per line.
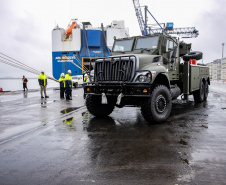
pixel 115 69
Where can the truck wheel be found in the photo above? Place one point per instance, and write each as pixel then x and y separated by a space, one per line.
pixel 75 85
pixel 94 106
pixel 193 55
pixel 158 107
pixel 199 94
pixel 206 91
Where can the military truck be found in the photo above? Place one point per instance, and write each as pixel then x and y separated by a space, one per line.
pixel 149 72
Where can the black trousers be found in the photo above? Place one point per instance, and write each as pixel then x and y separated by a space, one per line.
pixel 62 90
pixel 25 86
pixel 68 92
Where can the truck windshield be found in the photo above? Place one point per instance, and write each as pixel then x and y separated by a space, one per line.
pixel 123 45
pixel 147 43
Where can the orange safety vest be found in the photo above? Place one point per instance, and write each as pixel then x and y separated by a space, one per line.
pixel 24 81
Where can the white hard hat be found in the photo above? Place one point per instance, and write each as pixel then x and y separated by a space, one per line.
pixel 85 75
pixel 62 74
pixel 42 71
pixel 69 71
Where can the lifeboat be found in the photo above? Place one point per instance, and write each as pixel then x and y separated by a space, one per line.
pixel 73 25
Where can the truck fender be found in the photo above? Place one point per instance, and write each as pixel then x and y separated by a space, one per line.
pixel 163 79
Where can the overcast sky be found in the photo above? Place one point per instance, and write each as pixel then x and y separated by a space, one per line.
pixel 26 25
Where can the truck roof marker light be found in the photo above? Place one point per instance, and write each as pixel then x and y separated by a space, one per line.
pixel 145 90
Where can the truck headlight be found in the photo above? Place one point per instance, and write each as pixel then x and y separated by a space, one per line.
pixel 142 78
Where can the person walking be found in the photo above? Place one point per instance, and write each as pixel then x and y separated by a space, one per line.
pixel 42 79
pixel 85 82
pixel 62 85
pixel 25 83
pixel 68 85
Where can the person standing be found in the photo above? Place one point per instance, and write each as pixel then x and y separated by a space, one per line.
pixel 62 85
pixel 85 82
pixel 68 85
pixel 25 83
pixel 42 79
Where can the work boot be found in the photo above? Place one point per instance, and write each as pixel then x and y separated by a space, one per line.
pixel 46 96
pixel 42 97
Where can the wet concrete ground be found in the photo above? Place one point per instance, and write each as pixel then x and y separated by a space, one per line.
pixel 56 141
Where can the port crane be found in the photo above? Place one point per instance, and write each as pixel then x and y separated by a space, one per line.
pixel 187 32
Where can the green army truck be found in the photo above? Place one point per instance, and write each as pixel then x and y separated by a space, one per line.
pixel 149 72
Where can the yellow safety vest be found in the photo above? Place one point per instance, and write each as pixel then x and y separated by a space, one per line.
pixel 86 81
pixel 42 79
pixel 62 79
pixel 68 79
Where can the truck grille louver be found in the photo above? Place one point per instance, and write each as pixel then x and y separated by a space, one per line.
pixel 115 69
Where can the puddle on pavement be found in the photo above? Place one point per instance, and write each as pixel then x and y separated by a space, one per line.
pixel 69 109
pixel 86 119
pixel 43 104
pixel 69 121
pixel 93 124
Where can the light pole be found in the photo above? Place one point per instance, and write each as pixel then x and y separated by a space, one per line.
pixel 222 58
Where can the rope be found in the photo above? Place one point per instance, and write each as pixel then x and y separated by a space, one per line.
pixel 88 50
pixel 17 64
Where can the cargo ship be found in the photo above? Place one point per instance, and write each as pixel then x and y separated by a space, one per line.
pixel 77 47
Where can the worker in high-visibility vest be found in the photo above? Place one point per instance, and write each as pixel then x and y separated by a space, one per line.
pixel 25 83
pixel 68 85
pixel 62 85
pixel 42 79
pixel 85 82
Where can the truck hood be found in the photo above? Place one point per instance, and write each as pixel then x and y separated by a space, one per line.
pixel 145 62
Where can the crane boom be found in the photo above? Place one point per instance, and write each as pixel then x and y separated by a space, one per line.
pixel 139 15
pixel 187 32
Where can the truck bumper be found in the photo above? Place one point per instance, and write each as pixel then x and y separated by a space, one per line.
pixel 128 90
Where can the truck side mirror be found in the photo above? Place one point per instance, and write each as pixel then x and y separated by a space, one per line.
pixel 163 49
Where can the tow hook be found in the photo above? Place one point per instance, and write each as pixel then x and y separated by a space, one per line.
pixel 104 99
pixel 119 99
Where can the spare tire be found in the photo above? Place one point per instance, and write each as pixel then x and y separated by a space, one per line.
pixel 193 55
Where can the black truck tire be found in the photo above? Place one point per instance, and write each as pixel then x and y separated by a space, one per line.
pixel 75 85
pixel 206 91
pixel 199 95
pixel 158 107
pixel 193 55
pixel 94 106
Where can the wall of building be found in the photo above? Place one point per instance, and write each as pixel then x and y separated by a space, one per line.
pixel 217 70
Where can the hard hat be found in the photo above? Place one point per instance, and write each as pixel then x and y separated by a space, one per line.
pixel 85 75
pixel 62 74
pixel 69 71
pixel 42 71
